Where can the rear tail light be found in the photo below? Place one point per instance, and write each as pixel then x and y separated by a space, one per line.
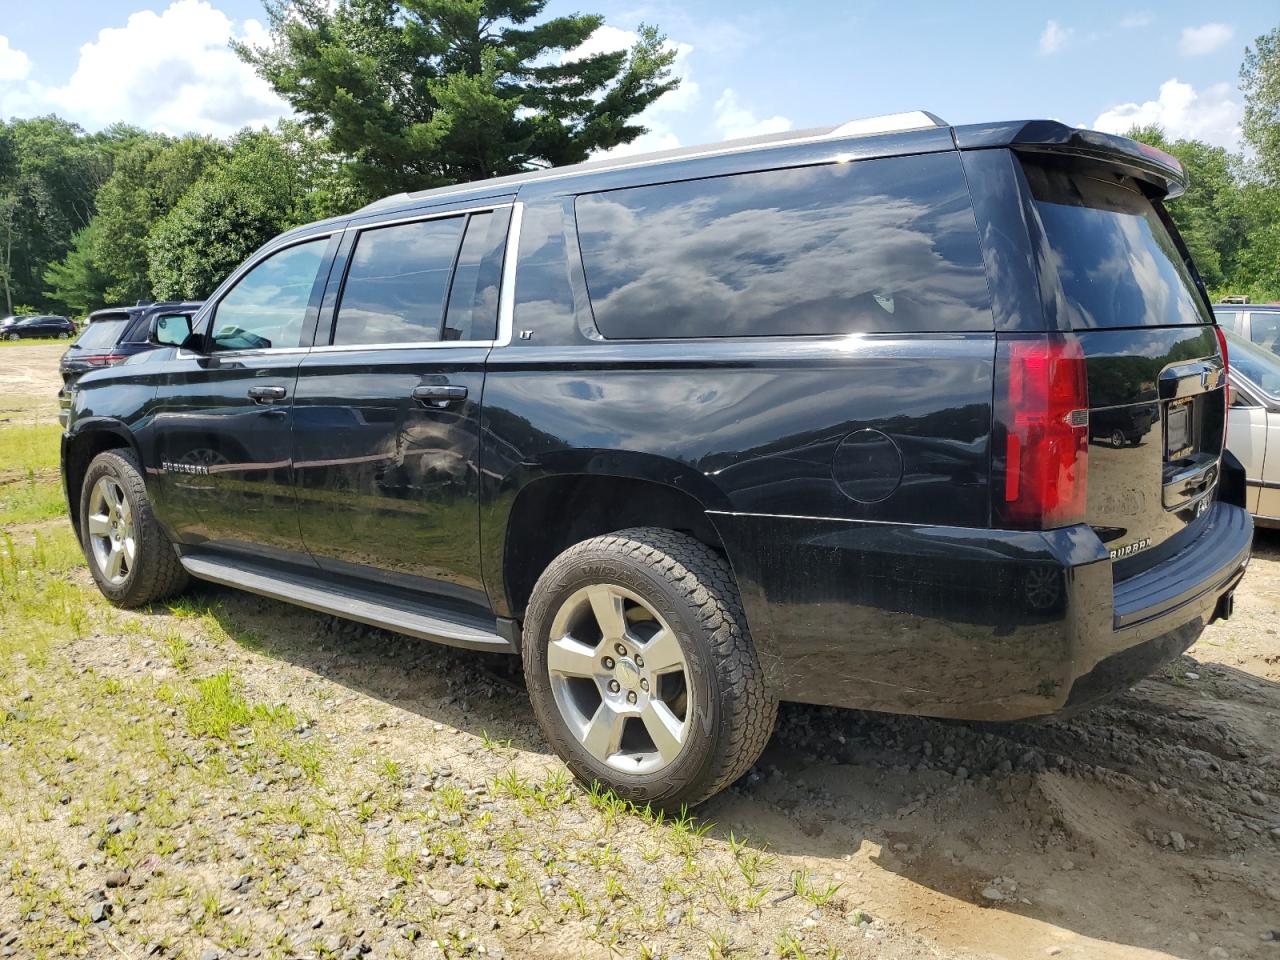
pixel 105 359
pixel 1043 394
pixel 1226 383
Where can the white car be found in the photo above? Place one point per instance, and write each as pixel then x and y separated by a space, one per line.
pixel 1253 425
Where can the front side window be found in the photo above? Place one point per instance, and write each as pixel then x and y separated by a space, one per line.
pixel 268 305
pixel 397 283
pixel 878 245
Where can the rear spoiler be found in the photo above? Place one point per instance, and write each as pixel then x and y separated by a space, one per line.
pixel 1049 136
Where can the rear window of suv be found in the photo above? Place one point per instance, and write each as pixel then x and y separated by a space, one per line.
pixel 1116 263
pixel 103 333
pixel 885 245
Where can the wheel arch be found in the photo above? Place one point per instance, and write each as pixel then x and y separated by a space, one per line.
pixel 78 450
pixel 553 511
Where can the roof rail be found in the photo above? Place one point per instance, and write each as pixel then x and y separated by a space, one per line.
pixel 888 123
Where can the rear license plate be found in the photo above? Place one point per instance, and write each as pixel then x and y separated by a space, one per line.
pixel 1177 430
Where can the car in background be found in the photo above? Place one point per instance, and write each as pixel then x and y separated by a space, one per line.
pixel 1256 322
pixel 1253 425
pixel 113 335
pixel 36 327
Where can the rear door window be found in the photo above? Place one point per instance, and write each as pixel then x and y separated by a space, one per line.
pixel 1115 262
pixel 887 245
pixel 397 283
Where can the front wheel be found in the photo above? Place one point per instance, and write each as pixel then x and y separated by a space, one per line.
pixel 11 336
pixel 640 668
pixel 131 559
pixel 63 335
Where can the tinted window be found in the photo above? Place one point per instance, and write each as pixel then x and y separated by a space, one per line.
pixel 101 333
pixel 1264 330
pixel 1116 264
pixel 268 305
pixel 397 283
pixel 543 295
pixel 473 297
pixel 880 245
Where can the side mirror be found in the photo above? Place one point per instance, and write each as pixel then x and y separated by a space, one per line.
pixel 171 331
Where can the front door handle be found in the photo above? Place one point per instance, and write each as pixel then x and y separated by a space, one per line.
pixel 439 394
pixel 266 394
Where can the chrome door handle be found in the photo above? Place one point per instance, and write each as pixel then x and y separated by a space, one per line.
pixel 266 394
pixel 439 394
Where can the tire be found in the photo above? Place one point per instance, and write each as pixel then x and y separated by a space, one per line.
pixel 664 583
pixel 63 335
pixel 13 336
pixel 154 571
pixel 1117 439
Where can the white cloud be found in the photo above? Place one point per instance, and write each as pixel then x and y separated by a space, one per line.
pixel 171 72
pixel 14 64
pixel 1054 37
pixel 1197 41
pixel 660 136
pixel 1211 114
pixel 732 119
pixel 1135 20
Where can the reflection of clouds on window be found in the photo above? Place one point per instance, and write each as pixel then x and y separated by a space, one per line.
pixel 1115 262
pixel 880 245
pixel 397 281
pixel 267 307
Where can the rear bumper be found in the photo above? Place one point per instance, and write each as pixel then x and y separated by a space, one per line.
pixel 966 623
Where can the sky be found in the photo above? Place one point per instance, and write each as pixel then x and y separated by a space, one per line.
pixel 747 66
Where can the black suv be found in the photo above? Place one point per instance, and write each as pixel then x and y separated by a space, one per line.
pixel 113 335
pixel 802 417
pixel 31 327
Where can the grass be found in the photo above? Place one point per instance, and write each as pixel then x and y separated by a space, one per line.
pixel 155 714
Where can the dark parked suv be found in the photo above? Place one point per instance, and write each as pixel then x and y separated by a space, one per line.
pixel 113 335
pixel 802 417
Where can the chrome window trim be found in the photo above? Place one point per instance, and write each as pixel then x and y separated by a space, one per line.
pixel 507 290
pixel 513 226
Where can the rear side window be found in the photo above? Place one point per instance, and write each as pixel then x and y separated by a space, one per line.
pixel 397 283
pixel 885 245
pixel 1264 330
pixel 1116 264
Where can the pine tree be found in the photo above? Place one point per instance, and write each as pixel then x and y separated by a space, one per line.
pixel 423 93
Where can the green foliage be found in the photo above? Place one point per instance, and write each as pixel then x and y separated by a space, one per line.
pixel 1260 82
pixel 421 93
pixel 78 281
pixel 270 181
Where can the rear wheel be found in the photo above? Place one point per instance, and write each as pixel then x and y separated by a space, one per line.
pixel 11 336
pixel 1117 439
pixel 641 670
pixel 131 559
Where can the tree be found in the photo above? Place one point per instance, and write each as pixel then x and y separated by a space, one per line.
pixel 421 93
pixel 1260 82
pixel 78 280
pixel 47 190
pixel 270 181
pixel 148 180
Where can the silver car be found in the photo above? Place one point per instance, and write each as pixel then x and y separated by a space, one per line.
pixel 1253 424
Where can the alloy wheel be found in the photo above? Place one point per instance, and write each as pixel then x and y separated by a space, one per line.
pixel 620 679
pixel 111 533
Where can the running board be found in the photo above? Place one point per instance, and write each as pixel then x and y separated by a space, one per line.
pixel 352 603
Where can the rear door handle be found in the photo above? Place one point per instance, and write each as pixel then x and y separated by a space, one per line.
pixel 439 395
pixel 266 394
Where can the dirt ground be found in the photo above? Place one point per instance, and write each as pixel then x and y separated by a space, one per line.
pixel 1147 827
